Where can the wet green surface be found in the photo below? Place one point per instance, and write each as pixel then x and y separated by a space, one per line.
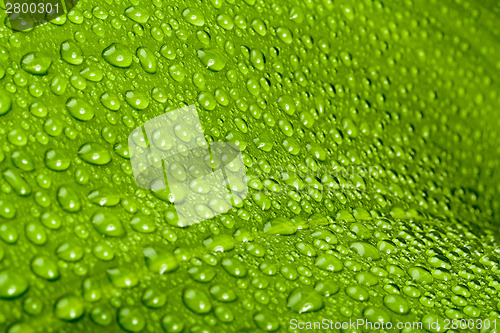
pixel 370 135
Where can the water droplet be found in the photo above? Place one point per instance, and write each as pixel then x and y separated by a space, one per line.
pixel 101 316
pixel 36 63
pixel 71 53
pixel 8 234
pixel 420 275
pixel 108 225
pixel 194 16
pixel 131 319
pixel 51 220
pixel 68 199
pixel 329 262
pixel 207 101
pixel 285 35
pixel 202 274
pixel 266 321
pixel 58 85
pixel 7 210
pixel 196 300
pixel 5 103
pixel 56 160
pixel 357 293
pixel 36 234
pixel 376 315
pixel 22 161
pixel 212 59
pixel 234 267
pixel 259 26
pixel 171 323
pixel 117 55
pixel 327 288
pixel 396 304
pixel 177 72
pixel 222 293
pixel 79 109
pixel 137 100
pixel 111 101
pixel 221 243
pixel 160 262
pixel 366 250
pixel 137 14
pixel 123 277
pixel 45 268
pixel 17 137
pixel 434 323
pixel 69 252
pixel 94 153
pixel 225 21
pixel 104 197
pixel 103 252
pixel 92 73
pixel 147 60
pixel 12 285
pixel 305 300
pixel 33 306
pixel 14 179
pixel 69 308
pixel 153 298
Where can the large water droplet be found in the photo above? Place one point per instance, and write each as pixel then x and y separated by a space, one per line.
pixel 36 63
pixel 196 300
pixel 117 55
pixel 131 319
pixel 69 308
pixel 5 103
pixel 12 285
pixel 194 16
pixel 108 225
pixel 79 109
pixel 71 53
pixel 68 199
pixel 45 268
pixel 305 300
pixel 94 153
pixel 212 59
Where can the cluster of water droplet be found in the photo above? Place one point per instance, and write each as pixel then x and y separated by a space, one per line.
pixel 307 90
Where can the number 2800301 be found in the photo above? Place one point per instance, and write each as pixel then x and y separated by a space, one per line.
pixel 31 8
